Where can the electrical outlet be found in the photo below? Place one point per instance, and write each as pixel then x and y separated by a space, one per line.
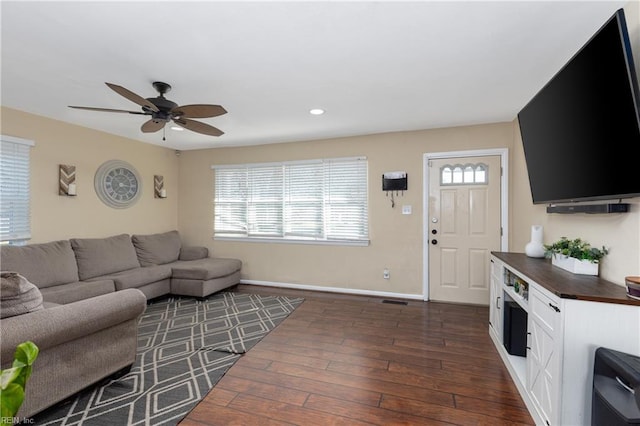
pixel 386 274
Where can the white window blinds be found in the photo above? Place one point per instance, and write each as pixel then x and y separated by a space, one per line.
pixel 15 220
pixel 264 201
pixel 321 200
pixel 304 201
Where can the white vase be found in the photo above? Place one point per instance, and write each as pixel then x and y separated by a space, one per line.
pixel 535 248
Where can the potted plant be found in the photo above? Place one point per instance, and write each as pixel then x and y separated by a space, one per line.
pixel 13 381
pixel 575 256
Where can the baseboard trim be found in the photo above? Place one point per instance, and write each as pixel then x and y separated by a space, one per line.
pixel 334 289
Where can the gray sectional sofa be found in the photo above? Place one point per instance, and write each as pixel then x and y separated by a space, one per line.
pixel 80 343
pixel 94 291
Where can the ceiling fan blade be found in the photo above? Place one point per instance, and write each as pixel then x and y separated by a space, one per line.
pixel 197 126
pixel 152 126
pixel 108 110
pixel 198 111
pixel 132 96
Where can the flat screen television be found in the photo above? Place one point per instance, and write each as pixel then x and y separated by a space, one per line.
pixel 581 131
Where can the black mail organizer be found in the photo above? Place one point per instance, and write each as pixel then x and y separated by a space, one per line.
pixel 394 181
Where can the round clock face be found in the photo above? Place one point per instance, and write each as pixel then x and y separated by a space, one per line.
pixel 118 184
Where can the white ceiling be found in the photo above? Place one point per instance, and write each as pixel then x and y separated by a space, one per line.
pixel 373 66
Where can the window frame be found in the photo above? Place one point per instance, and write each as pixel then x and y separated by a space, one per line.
pixel 24 234
pixel 286 237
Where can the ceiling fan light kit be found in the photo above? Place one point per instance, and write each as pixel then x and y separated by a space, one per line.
pixel 162 111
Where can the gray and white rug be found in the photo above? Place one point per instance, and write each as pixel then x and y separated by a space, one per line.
pixel 184 347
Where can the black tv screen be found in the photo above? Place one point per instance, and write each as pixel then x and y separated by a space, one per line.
pixel 581 131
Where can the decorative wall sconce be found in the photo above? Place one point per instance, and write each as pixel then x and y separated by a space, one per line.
pixel 67 180
pixel 158 187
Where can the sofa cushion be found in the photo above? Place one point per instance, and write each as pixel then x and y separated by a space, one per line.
pixel 73 292
pixel 193 253
pixel 205 269
pixel 102 256
pixel 17 295
pixel 139 277
pixel 44 264
pixel 157 249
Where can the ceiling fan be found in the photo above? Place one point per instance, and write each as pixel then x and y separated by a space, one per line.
pixel 162 110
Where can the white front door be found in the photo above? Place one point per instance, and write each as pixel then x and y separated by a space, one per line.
pixel 463 227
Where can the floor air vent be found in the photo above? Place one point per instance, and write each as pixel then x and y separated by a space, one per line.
pixel 395 302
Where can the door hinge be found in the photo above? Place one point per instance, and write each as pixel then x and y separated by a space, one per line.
pixel 501 233
pixel 501 170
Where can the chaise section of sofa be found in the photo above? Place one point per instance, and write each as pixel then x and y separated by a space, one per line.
pixel 194 273
pixel 52 268
pixel 80 343
pixel 202 277
pixel 115 258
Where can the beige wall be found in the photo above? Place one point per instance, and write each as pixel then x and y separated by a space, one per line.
pixel 396 239
pixel 619 232
pixel 56 217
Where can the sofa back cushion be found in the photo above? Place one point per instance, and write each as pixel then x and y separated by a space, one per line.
pixel 102 256
pixel 157 249
pixel 45 265
pixel 17 295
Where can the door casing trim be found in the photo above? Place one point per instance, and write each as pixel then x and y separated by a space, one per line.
pixel 504 201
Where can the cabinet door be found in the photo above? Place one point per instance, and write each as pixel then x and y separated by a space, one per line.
pixel 495 299
pixel 543 357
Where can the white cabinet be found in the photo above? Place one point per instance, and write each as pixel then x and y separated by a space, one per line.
pixel 544 353
pixel 568 318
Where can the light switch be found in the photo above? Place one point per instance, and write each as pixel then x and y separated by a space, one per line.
pixel 406 209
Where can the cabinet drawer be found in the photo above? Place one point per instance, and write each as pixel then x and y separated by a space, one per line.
pixel 545 309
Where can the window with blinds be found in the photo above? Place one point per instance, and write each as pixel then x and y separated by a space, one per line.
pixel 15 218
pixel 321 201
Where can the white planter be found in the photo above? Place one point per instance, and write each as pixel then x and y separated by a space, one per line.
pixel 574 265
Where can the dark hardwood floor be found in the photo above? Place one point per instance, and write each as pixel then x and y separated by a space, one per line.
pixel 350 360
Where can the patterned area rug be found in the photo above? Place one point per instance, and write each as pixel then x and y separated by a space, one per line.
pixel 184 347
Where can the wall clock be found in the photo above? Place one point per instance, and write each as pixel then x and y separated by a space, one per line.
pixel 118 184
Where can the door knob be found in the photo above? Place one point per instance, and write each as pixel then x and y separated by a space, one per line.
pixel 434 241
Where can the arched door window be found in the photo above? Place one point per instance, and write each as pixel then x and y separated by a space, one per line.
pixel 467 174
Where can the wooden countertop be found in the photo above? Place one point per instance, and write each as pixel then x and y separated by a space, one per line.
pixel 564 284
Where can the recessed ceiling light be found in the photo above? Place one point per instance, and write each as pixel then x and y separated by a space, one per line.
pixel 316 111
pixel 177 128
